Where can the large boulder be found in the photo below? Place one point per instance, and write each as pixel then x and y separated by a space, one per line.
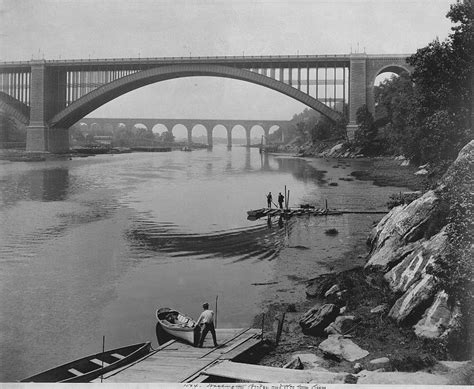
pixel 318 318
pixel 341 325
pixel 379 363
pixel 318 286
pixel 415 264
pixel 402 225
pixel 438 319
pixel 415 297
pixel 338 347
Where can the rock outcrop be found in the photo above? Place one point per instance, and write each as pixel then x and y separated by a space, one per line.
pixel 411 241
pixel 318 318
pixel 438 318
pixel 404 224
pixel 413 267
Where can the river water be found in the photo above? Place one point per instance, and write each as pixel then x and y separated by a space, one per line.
pixel 90 247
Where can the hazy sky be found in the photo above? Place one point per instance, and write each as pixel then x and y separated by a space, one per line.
pixel 68 29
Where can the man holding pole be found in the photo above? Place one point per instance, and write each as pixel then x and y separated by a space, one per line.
pixel 280 200
pixel 207 320
pixel 269 199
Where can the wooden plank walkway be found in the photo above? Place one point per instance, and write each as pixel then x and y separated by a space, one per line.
pixel 176 361
pixel 243 372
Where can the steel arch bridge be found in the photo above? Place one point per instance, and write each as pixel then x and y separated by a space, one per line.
pixel 49 96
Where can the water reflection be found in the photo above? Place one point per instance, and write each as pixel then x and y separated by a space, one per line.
pixel 37 185
pixel 301 170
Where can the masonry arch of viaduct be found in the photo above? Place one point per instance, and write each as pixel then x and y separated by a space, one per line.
pixel 190 124
pixel 50 96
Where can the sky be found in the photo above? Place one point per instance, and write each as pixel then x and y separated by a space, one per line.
pixel 72 29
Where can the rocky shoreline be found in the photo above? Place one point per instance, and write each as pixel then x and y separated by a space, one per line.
pixel 390 320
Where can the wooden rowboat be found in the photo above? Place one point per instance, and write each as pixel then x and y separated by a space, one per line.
pixel 88 368
pixel 178 325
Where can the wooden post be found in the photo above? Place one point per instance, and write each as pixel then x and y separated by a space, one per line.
pixel 285 198
pixel 288 198
pixel 103 352
pixel 263 323
pixel 280 329
pixel 326 204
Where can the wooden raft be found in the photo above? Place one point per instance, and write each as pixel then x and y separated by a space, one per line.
pixel 258 213
pixel 175 361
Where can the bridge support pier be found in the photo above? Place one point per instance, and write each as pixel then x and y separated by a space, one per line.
pixel 190 136
pixel 247 135
pixel 351 128
pixel 42 138
pixel 209 137
pixel 357 90
pixel 229 138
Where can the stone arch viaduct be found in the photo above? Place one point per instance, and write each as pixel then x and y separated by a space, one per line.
pixel 189 124
pixel 49 96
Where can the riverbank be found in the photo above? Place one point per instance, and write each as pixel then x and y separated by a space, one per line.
pixel 384 170
pixel 367 298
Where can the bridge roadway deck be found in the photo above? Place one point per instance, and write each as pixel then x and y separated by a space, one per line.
pixel 178 362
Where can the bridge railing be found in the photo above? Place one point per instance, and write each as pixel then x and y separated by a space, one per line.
pixel 202 58
pixel 181 58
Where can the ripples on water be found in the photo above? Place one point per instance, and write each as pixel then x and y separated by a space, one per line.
pixel 259 242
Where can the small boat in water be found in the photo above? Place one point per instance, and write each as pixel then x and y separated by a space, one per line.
pixel 178 325
pixel 88 368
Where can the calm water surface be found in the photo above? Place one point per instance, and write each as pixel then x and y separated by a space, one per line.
pixel 92 246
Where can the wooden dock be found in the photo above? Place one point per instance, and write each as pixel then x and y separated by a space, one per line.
pixel 179 362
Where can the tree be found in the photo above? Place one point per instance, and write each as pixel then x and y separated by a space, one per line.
pixel 326 129
pixel 367 132
pixel 167 137
pixel 430 112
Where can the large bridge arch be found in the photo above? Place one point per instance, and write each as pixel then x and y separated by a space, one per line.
pixel 108 92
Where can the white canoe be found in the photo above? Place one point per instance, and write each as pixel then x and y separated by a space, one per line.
pixel 182 327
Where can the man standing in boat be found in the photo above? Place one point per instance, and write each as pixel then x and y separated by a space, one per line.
pixel 269 199
pixel 207 320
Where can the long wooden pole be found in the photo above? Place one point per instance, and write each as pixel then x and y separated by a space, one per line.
pixel 280 329
pixel 103 352
pixel 217 296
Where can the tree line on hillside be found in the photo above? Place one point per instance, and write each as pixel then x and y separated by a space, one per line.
pixel 311 126
pixel 121 137
pixel 428 112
